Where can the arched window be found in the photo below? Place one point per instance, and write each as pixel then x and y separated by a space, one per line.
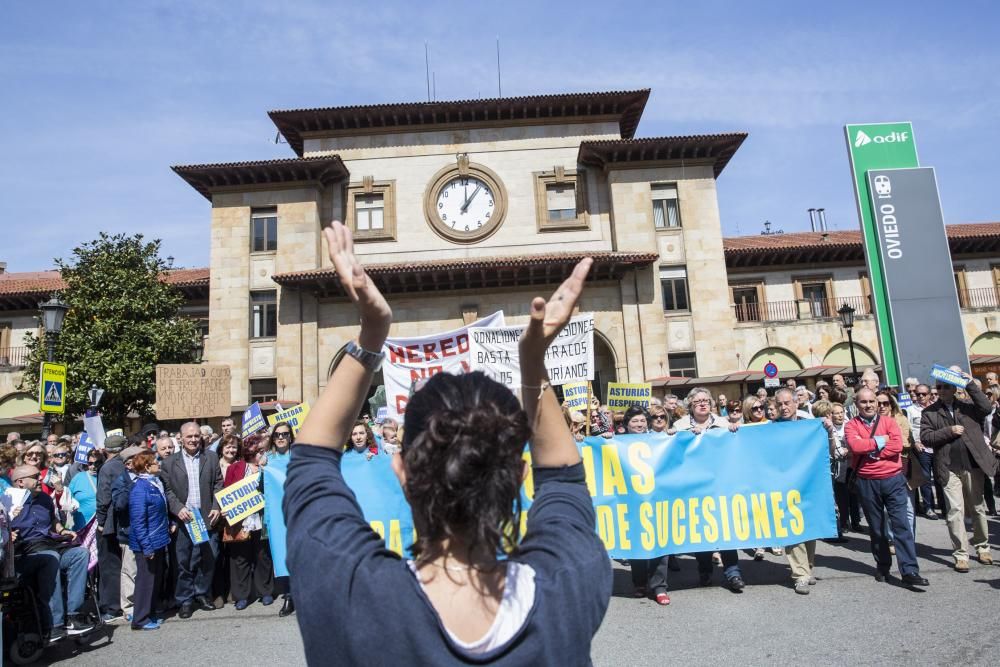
pixel 784 359
pixel 840 355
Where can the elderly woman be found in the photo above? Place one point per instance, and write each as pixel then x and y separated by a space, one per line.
pixel 755 410
pixel 250 553
pixel 659 421
pixel 83 487
pixel 700 418
pixel 148 538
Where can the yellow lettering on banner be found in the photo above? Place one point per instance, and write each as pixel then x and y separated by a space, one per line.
pixel 588 469
pixel 623 526
pixel 395 537
pixel 644 480
pixel 777 513
pixel 798 523
pixel 740 517
pixel 614 476
pixel 524 524
pixel 761 522
pixel 605 526
pixel 694 520
pixel 711 526
pixel 529 478
pixel 647 538
pixel 379 528
pixel 662 523
pixel 677 532
pixel 724 513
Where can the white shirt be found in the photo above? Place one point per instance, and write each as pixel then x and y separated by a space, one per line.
pixel 913 413
pixel 518 599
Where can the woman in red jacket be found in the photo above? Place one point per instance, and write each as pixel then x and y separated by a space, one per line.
pixel 876 445
pixel 250 553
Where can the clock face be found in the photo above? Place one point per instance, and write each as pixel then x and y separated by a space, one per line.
pixel 465 204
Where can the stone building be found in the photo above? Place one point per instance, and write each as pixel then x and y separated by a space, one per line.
pixel 531 185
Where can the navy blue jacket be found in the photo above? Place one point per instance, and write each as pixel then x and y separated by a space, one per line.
pixel 120 490
pixel 328 533
pixel 150 528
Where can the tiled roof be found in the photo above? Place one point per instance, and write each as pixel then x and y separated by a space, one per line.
pixel 763 242
pixel 625 106
pixel 40 283
pixel 206 178
pixel 715 148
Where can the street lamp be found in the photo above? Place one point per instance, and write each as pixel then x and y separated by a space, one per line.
pixel 846 314
pixel 95 394
pixel 53 312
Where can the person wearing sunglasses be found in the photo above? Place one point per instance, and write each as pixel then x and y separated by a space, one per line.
pixel 279 449
pixel 921 396
pixel 876 444
pixel 754 410
pixel 952 428
pixel 888 408
pixel 659 422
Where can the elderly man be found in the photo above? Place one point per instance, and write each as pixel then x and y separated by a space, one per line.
pixel 877 445
pixel 670 402
pixel 109 551
pixel 38 551
pixel 801 557
pixel 991 380
pixel 191 479
pixel 952 428
pixel 164 447
pixel 841 384
pixel 921 396
pixel 762 394
pixel 12 436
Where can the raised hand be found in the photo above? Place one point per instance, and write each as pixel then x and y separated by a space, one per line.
pixel 549 317
pixel 376 315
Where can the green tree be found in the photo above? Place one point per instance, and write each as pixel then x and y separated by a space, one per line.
pixel 123 320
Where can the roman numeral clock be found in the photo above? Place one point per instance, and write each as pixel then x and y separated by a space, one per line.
pixel 465 202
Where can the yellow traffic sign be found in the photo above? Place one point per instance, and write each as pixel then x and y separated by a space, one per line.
pixel 52 388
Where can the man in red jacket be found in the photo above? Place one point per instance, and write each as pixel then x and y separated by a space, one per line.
pixel 876 445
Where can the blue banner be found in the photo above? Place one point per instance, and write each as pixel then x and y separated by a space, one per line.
pixel 274 492
pixel 654 494
pixel 253 420
pixel 83 449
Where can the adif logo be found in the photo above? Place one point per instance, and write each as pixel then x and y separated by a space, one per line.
pixel 862 139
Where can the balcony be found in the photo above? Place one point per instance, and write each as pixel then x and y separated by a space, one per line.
pixel 13 357
pixel 799 310
pixel 978 298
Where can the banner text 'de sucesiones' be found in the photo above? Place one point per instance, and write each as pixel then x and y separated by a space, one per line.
pixel 655 494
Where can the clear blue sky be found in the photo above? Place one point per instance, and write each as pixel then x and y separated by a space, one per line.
pixel 100 98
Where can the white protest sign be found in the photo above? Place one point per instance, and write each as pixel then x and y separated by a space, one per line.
pixel 408 360
pixel 570 357
pixel 94 427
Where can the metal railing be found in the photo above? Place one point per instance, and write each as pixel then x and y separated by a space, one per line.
pixel 802 309
pixel 980 297
pixel 13 357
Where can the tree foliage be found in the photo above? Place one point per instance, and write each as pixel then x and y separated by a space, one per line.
pixel 123 321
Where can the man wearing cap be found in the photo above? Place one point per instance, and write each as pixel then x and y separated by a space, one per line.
pixel 191 478
pixel 952 428
pixel 42 547
pixel 120 490
pixel 109 551
pixel 149 433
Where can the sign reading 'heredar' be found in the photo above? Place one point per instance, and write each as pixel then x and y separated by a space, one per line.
pixel 184 391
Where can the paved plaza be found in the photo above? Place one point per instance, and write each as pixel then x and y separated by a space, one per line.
pixel 848 619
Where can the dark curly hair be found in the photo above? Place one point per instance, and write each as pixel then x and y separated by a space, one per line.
pixel 462 444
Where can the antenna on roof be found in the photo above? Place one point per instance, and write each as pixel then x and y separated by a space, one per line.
pixel 278 139
pixel 499 88
pixel 427 67
pixel 434 81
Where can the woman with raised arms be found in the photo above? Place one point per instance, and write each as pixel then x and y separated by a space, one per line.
pixel 472 594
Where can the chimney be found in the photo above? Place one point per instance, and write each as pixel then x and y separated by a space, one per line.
pixel 821 212
pixel 3 267
pixel 812 219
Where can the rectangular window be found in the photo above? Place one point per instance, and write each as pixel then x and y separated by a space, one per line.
pixel 561 201
pixel 666 214
pixel 747 301
pixel 816 296
pixel 264 314
pixel 673 282
pixel 264 230
pixel 684 365
pixel 369 212
pixel 263 390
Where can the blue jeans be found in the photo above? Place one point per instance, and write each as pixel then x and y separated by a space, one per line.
pixel 730 563
pixel 49 568
pixel 195 566
pixel 881 497
pixel 911 517
pixel 926 459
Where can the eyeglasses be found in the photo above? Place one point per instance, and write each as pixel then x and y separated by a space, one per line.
pixel 283 434
pixel 659 417
pixel 702 401
pixel 920 393
pixel 757 408
pixel 33 455
pixel 884 404
pixel 60 455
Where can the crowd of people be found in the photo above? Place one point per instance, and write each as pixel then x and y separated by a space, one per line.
pixel 934 458
pixel 121 518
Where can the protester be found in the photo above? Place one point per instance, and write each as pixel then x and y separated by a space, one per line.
pixel 840 461
pixel 191 479
pixel 925 502
pixel 659 422
pixel 390 435
pixel 734 411
pixel 279 443
pixel 461 468
pixel 83 488
pixel 149 537
pixel 952 429
pixel 250 553
pixel 877 446
pixel 771 410
pixel 8 461
pixel 121 490
pixel 228 450
pixel 802 556
pixel 363 440
pixel 753 410
pixel 109 552
pixel 164 447
pixel 43 549
pixel 804 399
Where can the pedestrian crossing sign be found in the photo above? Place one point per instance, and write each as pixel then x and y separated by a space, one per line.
pixel 52 388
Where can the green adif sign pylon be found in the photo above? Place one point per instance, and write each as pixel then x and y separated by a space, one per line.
pixel 879 146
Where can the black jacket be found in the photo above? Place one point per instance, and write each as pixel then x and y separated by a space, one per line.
pixel 175 482
pixel 106 476
pixel 956 453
